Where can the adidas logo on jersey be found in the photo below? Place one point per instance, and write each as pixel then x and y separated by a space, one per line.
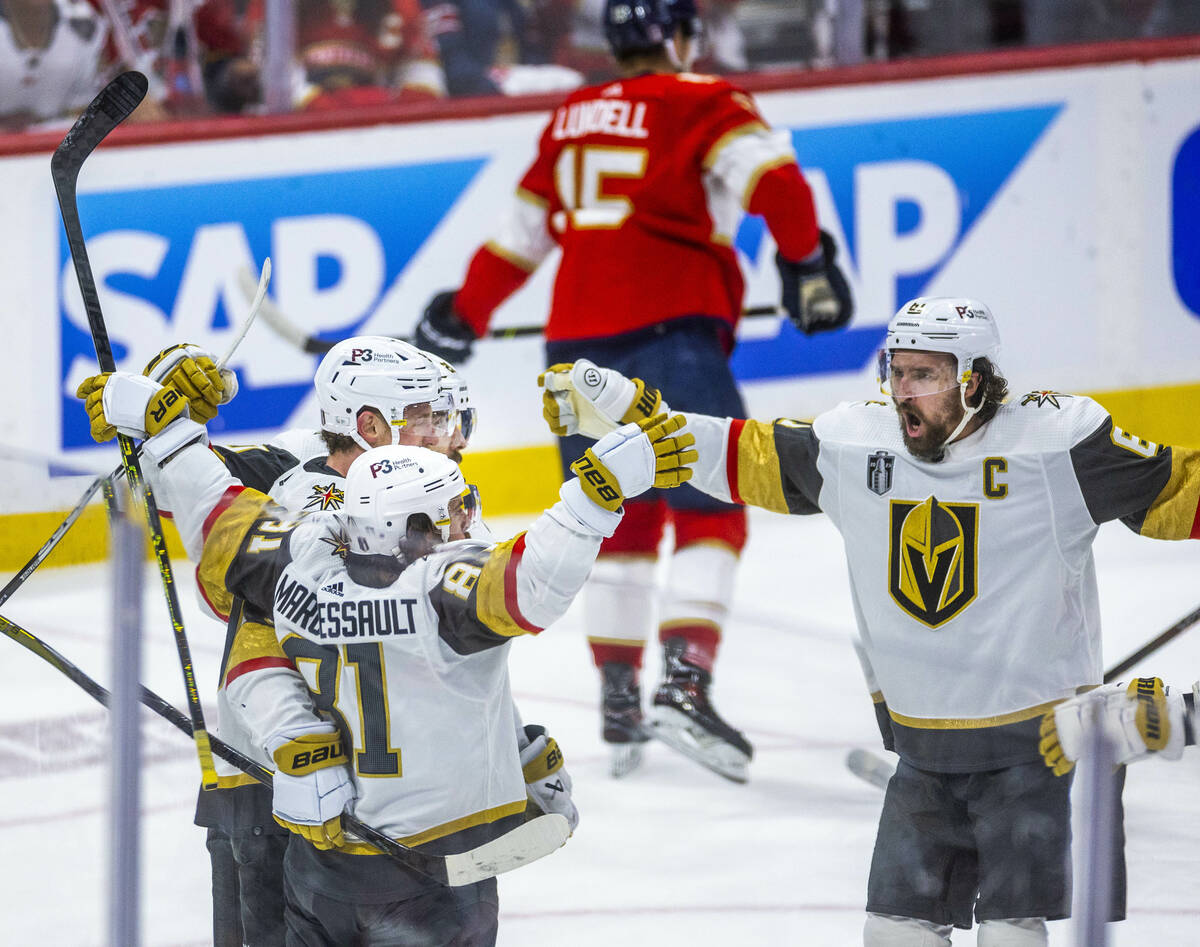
pixel 334 588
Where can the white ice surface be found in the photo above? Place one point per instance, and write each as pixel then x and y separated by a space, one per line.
pixel 672 854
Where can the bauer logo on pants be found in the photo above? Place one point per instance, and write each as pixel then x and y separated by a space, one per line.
pixel 933 558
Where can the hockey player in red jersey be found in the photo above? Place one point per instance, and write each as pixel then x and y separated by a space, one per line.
pixel 642 182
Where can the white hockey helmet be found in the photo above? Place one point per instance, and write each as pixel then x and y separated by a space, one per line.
pixel 387 485
pixel 962 327
pixel 370 371
pixel 456 395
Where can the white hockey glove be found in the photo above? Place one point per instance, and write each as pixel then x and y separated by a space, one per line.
pixel 629 461
pixel 312 784
pixel 121 402
pixel 582 398
pixel 547 783
pixel 193 372
pixel 1140 718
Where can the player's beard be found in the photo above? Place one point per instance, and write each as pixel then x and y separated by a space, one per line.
pixel 924 431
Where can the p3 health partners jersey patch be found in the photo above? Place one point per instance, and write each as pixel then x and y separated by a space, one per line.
pixel 933 558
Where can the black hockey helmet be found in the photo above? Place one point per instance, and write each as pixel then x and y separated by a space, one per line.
pixel 637 26
pixel 684 17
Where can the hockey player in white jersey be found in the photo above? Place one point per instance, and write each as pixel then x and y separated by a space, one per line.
pixel 968 529
pixel 370 390
pixel 403 647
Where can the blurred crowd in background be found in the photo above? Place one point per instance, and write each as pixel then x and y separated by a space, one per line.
pixel 215 57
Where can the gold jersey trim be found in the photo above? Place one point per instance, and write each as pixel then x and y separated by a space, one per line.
pixel 758 479
pixel 751 127
pixel 971 723
pixel 223 542
pixel 1173 514
pixel 620 642
pixel 441 831
pixel 511 256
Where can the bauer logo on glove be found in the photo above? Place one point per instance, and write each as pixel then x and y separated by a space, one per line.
pixel 597 481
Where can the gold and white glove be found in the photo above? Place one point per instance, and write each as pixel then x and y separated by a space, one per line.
pixel 121 402
pixel 583 398
pixel 547 783
pixel 312 784
pixel 624 463
pixel 1140 719
pixel 193 372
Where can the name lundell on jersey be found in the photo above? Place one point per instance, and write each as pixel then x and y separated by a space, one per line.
pixel 361 618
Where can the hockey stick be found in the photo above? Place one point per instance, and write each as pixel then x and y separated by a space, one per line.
pixel 61 530
pixel 1152 645
pixel 528 842
pixel 114 104
pixel 55 538
pixel 275 318
pixel 877 771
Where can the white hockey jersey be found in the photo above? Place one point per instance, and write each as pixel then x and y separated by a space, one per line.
pixel 973 580
pixel 414 672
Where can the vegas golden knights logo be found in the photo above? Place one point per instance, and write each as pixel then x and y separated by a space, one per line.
pixel 933 558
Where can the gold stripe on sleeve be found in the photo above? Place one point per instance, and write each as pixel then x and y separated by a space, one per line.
pixel 254 640
pixel 759 481
pixel 512 257
pixel 495 592
pixel 526 195
pixel 749 128
pixel 1173 514
pixel 769 165
pixel 222 542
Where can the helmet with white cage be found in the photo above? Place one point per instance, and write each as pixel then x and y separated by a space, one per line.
pixel 385 374
pixel 386 487
pixel 959 326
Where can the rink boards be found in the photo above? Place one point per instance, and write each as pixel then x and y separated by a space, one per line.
pixel 1066 198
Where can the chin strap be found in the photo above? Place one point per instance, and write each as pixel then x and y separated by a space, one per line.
pixel 968 412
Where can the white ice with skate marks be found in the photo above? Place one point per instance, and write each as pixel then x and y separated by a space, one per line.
pixel 672 853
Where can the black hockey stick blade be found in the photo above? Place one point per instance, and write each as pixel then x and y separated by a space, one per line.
pixel 113 105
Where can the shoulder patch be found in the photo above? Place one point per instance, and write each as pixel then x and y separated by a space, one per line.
pixel 1040 399
pixel 325 497
pixel 339 543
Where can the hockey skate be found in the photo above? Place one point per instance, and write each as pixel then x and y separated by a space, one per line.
pixel 621 704
pixel 683 718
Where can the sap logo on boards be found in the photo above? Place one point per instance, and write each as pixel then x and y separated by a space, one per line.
pixel 1185 222
pixel 166 261
pixel 902 196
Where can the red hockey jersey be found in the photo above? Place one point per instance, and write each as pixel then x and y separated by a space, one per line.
pixel 643 183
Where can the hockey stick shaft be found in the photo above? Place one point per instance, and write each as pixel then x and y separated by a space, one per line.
pixel 61 530
pixel 1152 645
pixel 310 344
pixel 114 104
pixel 55 538
pixel 877 765
pixel 437 867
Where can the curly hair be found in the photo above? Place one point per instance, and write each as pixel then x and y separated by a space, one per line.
pixel 992 390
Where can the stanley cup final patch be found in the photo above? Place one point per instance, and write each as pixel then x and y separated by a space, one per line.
pixel 879 472
pixel 933 558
